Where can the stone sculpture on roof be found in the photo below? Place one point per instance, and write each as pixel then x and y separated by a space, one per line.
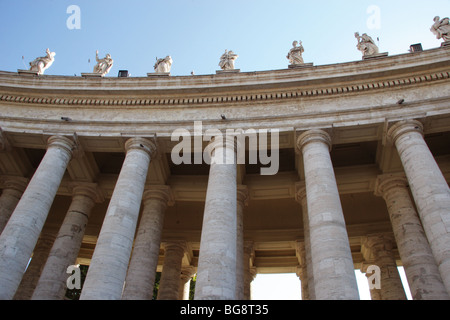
pixel 295 54
pixel 227 60
pixel 441 28
pixel 163 65
pixel 366 45
pixel 41 64
pixel 103 65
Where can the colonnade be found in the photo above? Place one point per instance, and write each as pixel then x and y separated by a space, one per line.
pixel 117 271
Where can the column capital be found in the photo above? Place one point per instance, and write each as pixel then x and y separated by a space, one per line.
pixel 87 189
pixel 142 144
pixel 372 244
pixel 402 127
pixel 159 192
pixel 242 194
pixel 314 135
pixel 386 182
pixel 175 244
pixel 63 143
pixel 15 183
pixel 187 272
pixel 300 192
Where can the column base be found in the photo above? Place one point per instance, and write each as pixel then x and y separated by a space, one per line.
pixel 376 56
pixel 158 75
pixel 28 72
pixel 92 75
pixel 300 66
pixel 228 71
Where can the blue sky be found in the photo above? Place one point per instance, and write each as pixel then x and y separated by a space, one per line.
pixel 196 32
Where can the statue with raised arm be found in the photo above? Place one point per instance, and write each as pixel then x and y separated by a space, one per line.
pixel 295 54
pixel 163 65
pixel 41 64
pixel 441 28
pixel 366 44
pixel 227 60
pixel 103 65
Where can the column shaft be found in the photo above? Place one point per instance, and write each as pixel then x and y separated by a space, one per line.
pixel 333 269
pixel 242 196
pixel 107 272
pixel 169 285
pixel 144 260
pixel 216 275
pixel 378 251
pixel 52 283
pixel 429 188
pixel 423 275
pixel 11 195
pixel 20 235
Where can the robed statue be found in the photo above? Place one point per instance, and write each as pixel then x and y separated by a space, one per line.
pixel 41 64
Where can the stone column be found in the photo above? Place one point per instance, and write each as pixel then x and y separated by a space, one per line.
pixel 216 275
pixel 302 271
pixel 375 293
pixel 429 188
pixel 11 194
pixel 20 235
pixel 377 248
pixel 307 271
pixel 333 269
pixel 248 254
pixel 250 275
pixel 108 268
pixel 34 269
pixel 169 285
pixel 52 283
pixel 144 260
pixel 242 198
pixel 185 282
pixel 421 270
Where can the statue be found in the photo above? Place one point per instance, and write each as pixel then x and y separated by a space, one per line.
pixel 441 28
pixel 163 65
pixel 41 64
pixel 103 65
pixel 366 44
pixel 227 60
pixel 295 54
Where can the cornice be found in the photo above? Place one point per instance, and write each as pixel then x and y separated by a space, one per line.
pixel 327 91
pixel 320 81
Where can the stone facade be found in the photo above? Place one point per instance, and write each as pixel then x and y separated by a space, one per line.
pixel 87 176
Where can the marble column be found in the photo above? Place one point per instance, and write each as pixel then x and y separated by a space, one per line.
pixel 11 194
pixel 307 267
pixel 429 188
pixel 109 264
pixel 421 270
pixel 333 269
pixel 20 235
pixel 242 199
pixel 169 284
pixel 185 282
pixel 144 260
pixel 216 273
pixel 377 249
pixel 52 283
